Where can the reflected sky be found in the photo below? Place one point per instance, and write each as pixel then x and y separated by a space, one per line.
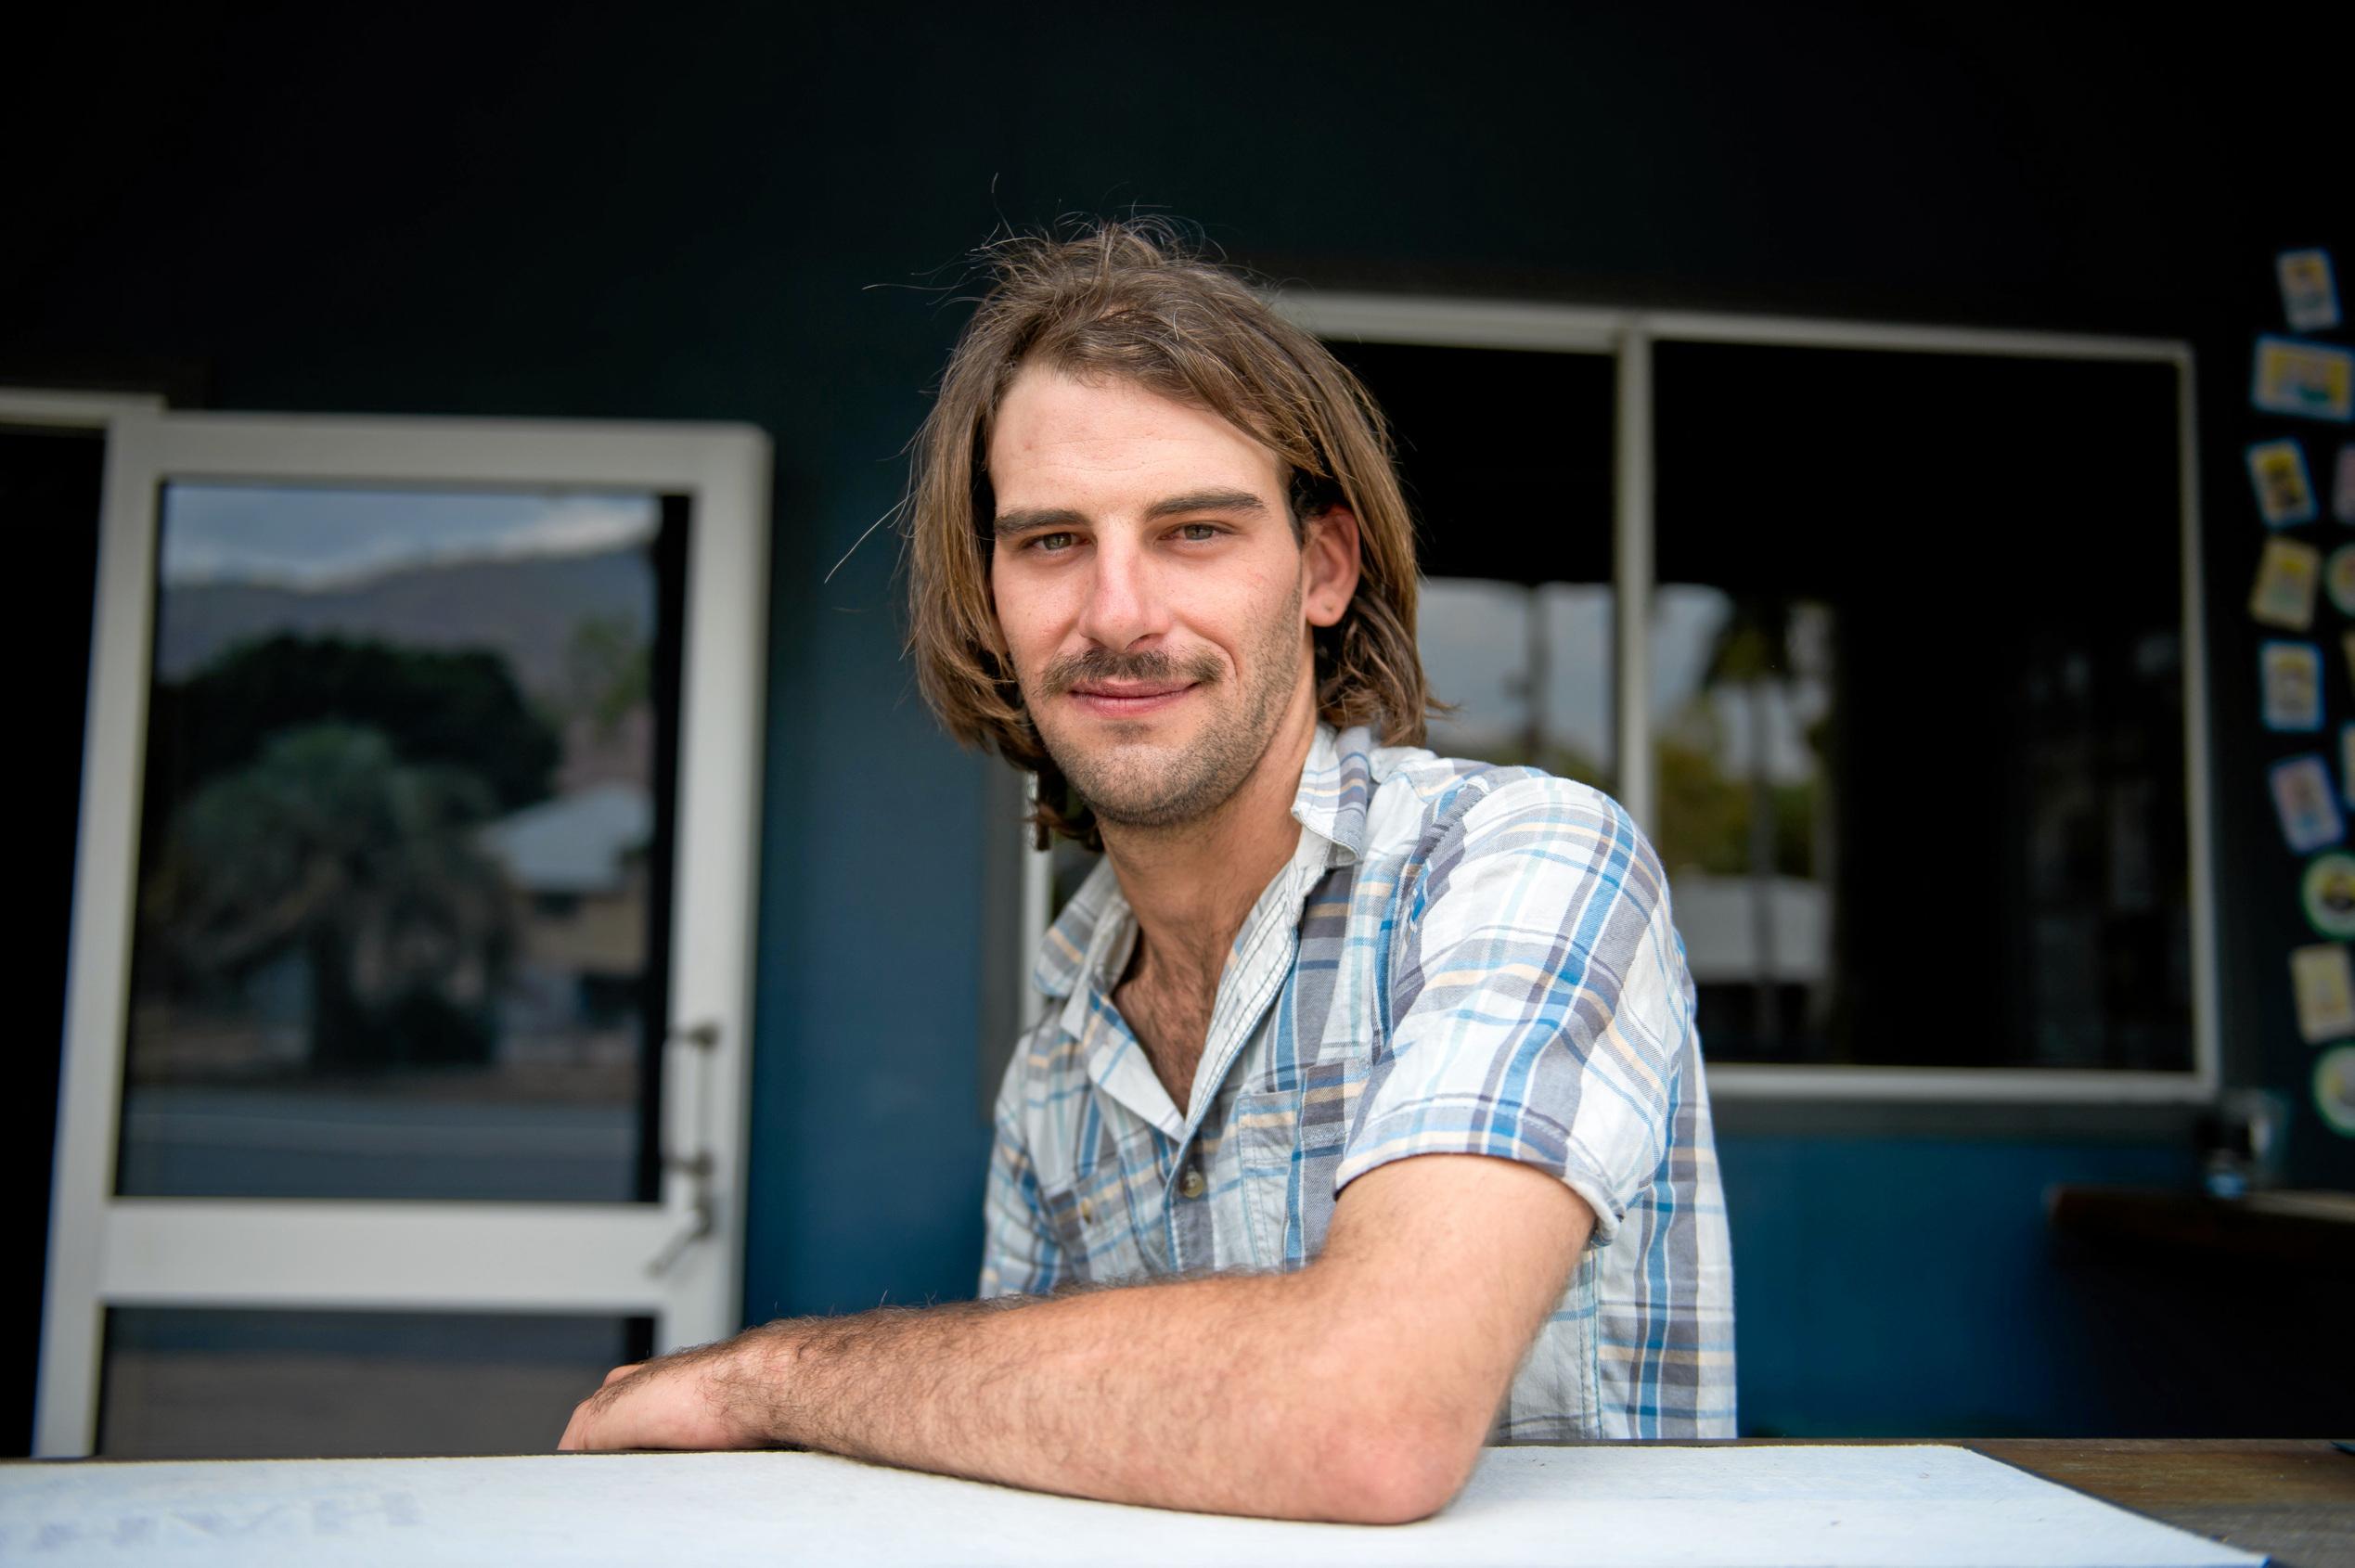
pixel 319 537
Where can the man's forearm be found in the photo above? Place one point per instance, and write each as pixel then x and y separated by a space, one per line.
pixel 1231 1394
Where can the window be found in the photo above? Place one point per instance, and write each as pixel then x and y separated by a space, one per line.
pixel 1907 703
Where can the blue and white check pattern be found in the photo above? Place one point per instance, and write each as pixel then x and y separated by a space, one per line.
pixel 1458 958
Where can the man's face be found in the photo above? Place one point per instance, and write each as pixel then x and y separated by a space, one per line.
pixel 1152 592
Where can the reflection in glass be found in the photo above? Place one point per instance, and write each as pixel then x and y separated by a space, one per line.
pixel 400 925
pixel 219 1383
pixel 1527 670
pixel 1742 703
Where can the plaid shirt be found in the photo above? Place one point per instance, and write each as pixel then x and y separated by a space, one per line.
pixel 1458 958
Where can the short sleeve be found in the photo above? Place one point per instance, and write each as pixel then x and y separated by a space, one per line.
pixel 1539 1000
pixel 1019 1255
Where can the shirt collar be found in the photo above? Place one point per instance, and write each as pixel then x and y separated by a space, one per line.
pixel 1336 785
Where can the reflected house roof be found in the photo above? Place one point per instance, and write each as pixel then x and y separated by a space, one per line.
pixel 575 843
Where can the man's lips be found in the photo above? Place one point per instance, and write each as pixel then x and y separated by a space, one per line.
pixel 1118 700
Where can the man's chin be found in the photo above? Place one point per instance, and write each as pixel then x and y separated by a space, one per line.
pixel 1119 748
pixel 1137 785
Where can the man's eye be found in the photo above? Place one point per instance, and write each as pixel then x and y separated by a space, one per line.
pixel 1053 544
pixel 1196 532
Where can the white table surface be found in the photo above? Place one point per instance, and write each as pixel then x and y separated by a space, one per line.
pixel 1898 1507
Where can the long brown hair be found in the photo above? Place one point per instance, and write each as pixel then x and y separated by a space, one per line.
pixel 1135 299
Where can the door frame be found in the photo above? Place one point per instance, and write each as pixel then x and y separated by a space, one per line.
pixel 619 1258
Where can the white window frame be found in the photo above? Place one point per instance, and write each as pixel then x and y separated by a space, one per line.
pixel 1628 336
pixel 427 1255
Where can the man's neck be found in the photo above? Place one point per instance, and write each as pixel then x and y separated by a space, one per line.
pixel 1192 887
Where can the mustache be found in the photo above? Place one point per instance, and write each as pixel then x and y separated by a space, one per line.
pixel 1101 664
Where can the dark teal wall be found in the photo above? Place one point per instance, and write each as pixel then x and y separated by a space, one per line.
pixel 1898 1287
pixel 1888 1287
pixel 686 214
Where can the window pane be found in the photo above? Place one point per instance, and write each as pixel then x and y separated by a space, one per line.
pixel 405 856
pixel 205 1383
pixel 1917 702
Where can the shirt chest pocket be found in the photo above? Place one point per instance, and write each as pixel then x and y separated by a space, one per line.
pixel 1094 1227
pixel 1288 1144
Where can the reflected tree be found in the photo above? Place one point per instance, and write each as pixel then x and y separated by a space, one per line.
pixel 1755 827
pixel 1753 652
pixel 329 845
pixel 609 671
pixel 460 707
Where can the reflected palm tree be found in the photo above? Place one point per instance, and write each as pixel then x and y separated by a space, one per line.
pixel 328 844
pixel 1752 650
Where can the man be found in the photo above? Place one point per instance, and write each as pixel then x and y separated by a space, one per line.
pixel 1366 1123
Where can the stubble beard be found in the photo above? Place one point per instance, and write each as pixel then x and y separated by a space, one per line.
pixel 1158 788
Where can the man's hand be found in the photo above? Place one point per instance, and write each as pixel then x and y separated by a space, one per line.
pixel 677 1401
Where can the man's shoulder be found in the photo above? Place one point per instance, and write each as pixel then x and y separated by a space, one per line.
pixel 1421 798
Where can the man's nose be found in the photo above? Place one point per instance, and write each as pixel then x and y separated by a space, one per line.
pixel 1123 598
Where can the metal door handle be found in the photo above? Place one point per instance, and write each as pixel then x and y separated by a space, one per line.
pixel 700 1165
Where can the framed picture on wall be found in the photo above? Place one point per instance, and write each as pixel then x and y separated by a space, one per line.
pixel 2284 494
pixel 2307 379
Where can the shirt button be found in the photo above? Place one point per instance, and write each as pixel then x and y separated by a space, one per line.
pixel 1191 1184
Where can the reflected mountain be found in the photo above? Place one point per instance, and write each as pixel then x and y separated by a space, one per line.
pixel 526 607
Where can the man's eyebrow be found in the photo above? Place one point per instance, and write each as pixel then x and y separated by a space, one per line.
pixel 1005 525
pixel 1209 501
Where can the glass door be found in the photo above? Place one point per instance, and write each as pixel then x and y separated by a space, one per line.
pixel 406 1029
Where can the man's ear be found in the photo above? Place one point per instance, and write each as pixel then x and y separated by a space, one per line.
pixel 1329 564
